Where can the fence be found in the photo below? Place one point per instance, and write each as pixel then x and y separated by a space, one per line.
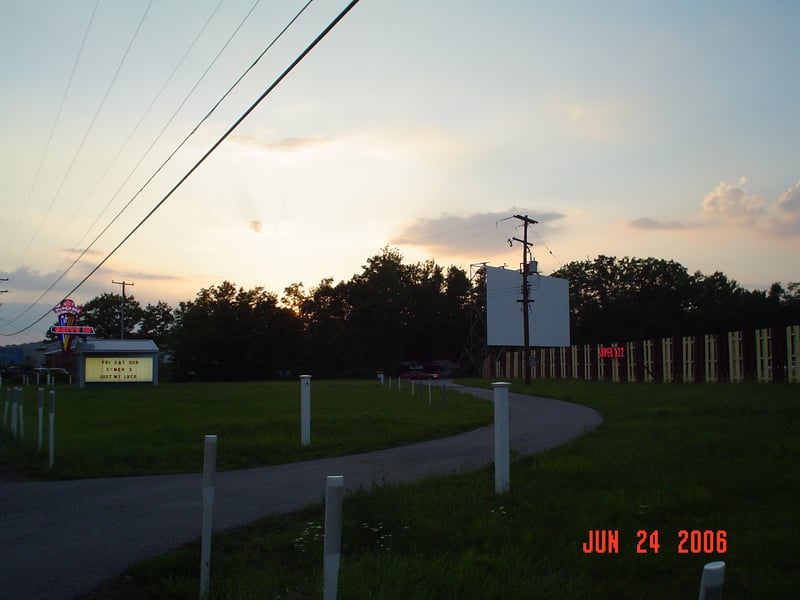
pixel 763 355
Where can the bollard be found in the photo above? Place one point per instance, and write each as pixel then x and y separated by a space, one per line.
pixel 501 437
pixel 21 409
pixel 52 427
pixel 711 581
pixel 209 469
pixel 14 400
pixel 5 410
pixel 305 410
pixel 40 398
pixel 334 491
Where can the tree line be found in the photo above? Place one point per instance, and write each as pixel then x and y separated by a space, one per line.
pixel 393 312
pixel 632 299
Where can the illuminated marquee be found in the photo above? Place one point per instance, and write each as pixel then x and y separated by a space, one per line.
pixel 121 369
pixel 611 352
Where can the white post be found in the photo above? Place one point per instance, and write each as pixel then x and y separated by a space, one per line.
pixel 21 408
pixel 412 387
pixel 501 437
pixel 14 413
pixel 711 581
pixel 52 428
pixel 305 410
pixel 5 410
pixel 429 392
pixel 40 397
pixel 209 469
pixel 334 491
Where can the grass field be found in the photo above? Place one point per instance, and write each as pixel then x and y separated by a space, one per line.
pixel 668 458
pixel 120 431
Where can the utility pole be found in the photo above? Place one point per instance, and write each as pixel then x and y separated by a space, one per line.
pixel 3 279
pixel 526 294
pixel 123 283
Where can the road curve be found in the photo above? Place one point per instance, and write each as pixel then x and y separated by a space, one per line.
pixel 62 539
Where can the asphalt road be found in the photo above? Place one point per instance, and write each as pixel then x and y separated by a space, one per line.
pixel 62 539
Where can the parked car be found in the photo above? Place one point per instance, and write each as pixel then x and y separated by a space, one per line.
pixel 13 373
pixel 418 374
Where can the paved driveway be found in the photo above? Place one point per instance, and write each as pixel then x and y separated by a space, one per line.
pixel 61 539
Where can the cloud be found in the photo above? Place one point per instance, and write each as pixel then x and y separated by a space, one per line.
pixel 277 144
pixel 731 201
pixel 84 251
pixel 789 202
pixel 648 224
pixel 786 216
pixel 732 205
pixel 472 234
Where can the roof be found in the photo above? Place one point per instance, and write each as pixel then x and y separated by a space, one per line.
pixel 127 346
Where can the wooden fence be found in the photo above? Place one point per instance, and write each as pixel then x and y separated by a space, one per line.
pixel 763 355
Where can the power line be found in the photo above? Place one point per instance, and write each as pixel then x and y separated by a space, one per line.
pixel 174 152
pixel 13 237
pixel 132 133
pixel 208 153
pixel 89 129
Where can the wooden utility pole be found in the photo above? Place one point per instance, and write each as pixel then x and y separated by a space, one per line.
pixel 123 283
pixel 526 294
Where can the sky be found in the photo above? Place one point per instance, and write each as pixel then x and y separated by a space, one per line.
pixel 627 128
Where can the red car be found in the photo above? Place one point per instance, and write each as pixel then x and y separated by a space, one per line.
pixel 418 374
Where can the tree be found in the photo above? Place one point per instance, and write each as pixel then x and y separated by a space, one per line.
pixel 326 313
pixel 633 298
pixel 235 334
pixel 716 303
pixel 627 299
pixel 104 313
pixel 157 323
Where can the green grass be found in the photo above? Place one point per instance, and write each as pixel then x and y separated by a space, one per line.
pixel 669 457
pixel 120 431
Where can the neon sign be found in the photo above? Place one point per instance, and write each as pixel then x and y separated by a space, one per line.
pixel 67 312
pixel 72 330
pixel 611 351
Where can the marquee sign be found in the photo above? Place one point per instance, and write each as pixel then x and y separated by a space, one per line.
pixel 119 369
